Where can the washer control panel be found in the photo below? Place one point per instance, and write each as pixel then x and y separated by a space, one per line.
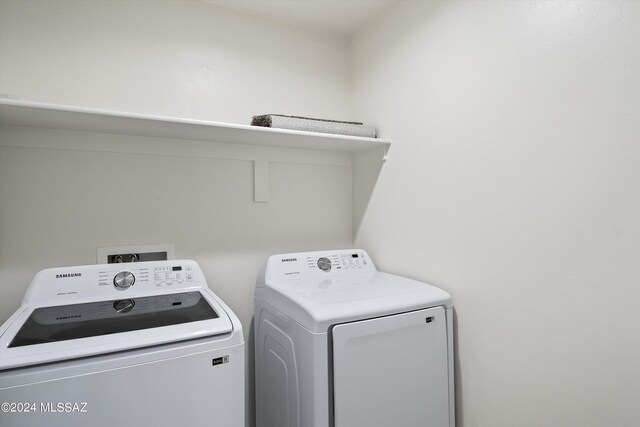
pixel 170 275
pixel 318 264
pixel 114 281
pixel 154 275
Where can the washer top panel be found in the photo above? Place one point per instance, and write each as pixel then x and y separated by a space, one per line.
pixel 350 290
pixel 87 310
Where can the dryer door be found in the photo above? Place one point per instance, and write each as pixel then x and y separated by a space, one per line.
pixel 392 371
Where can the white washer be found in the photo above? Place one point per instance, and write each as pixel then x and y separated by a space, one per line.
pixel 341 344
pixel 139 344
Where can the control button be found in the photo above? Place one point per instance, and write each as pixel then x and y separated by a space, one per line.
pixel 124 279
pixel 324 264
pixel 124 305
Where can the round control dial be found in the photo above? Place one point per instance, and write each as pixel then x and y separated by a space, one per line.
pixel 124 279
pixel 324 264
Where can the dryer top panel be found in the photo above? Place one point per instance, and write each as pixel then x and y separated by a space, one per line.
pixel 318 293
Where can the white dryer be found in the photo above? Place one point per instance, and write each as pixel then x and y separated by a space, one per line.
pixel 340 344
pixel 139 344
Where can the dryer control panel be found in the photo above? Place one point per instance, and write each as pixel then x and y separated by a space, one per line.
pixel 318 264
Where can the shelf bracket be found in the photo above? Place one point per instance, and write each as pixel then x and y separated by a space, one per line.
pixel 260 181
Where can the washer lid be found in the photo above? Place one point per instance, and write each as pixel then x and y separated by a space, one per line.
pixel 317 301
pixel 52 333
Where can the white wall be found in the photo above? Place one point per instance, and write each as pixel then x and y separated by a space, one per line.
pixel 180 58
pixel 514 184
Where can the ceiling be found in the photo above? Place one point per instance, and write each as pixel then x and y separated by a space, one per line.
pixel 342 17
